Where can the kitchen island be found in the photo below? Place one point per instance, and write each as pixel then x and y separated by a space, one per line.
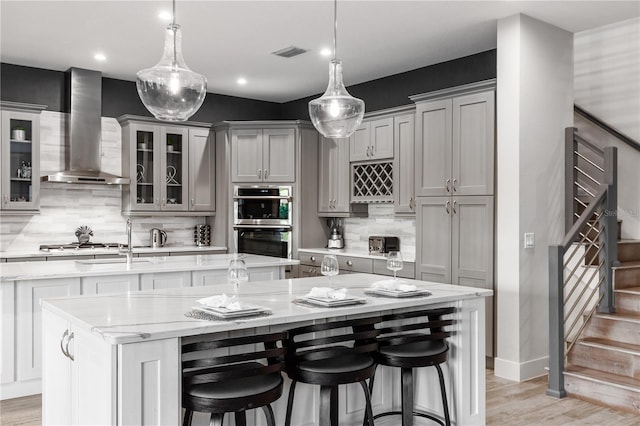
pixel 115 359
pixel 24 284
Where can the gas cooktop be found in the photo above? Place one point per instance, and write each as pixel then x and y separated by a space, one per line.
pixel 79 246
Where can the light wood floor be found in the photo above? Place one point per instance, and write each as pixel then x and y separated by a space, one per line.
pixel 508 404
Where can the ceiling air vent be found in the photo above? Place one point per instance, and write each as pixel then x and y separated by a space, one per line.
pixel 289 52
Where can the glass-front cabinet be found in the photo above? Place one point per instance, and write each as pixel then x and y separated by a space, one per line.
pixel 156 158
pixel 20 161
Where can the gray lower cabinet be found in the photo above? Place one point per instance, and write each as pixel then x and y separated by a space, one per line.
pixel 456 244
pixel 310 265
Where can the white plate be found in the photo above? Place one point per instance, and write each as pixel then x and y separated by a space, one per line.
pixel 222 312
pixel 397 293
pixel 326 302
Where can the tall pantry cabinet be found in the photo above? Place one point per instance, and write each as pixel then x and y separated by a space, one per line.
pixel 454 172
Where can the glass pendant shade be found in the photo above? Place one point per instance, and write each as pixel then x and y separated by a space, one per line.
pixel 336 114
pixel 170 90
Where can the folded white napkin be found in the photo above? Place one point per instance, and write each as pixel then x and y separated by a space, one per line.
pixel 221 301
pixel 395 285
pixel 328 293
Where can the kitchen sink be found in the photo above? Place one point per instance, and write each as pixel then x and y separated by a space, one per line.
pixel 115 260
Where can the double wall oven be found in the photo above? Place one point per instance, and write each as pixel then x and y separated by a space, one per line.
pixel 262 219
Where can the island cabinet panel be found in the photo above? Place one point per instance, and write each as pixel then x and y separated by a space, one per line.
pixel 200 278
pixel 165 280
pixel 149 377
pixel 8 329
pixel 351 398
pixel 29 322
pixel 110 284
pixel 70 354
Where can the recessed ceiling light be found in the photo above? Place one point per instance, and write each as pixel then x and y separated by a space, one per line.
pixel 99 57
pixel 242 81
pixel 165 16
pixel 325 52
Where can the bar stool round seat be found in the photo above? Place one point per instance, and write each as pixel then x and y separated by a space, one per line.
pixel 331 354
pixel 232 375
pixel 235 395
pixel 401 346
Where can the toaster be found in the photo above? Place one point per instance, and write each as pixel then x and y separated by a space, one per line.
pixel 382 245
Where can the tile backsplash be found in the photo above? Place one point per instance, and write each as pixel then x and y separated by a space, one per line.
pixel 64 207
pixel 380 222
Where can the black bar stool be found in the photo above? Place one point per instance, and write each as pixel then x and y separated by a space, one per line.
pixel 410 340
pixel 331 354
pixel 213 381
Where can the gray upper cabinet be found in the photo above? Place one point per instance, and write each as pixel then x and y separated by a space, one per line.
pixel 404 164
pixel 373 140
pixel 20 157
pixel 333 185
pixel 263 155
pixel 455 145
pixel 165 175
pixel 202 176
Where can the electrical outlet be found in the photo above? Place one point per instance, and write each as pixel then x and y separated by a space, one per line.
pixel 529 240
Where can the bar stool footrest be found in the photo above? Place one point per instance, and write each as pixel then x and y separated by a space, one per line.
pixel 431 417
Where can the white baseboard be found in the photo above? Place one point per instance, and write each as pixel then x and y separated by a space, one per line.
pixel 20 389
pixel 520 371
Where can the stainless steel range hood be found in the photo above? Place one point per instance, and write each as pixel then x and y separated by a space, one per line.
pixel 85 132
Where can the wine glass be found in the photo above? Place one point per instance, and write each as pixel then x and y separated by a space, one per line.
pixel 329 266
pixel 237 273
pixel 394 263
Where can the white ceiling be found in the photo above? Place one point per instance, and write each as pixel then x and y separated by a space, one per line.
pixel 227 39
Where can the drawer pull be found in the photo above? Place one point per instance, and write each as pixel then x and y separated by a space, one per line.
pixel 349 263
pixel 312 258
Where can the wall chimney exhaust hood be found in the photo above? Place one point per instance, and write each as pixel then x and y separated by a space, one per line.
pixel 84 128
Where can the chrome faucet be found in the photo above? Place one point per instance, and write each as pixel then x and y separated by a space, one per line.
pixel 129 250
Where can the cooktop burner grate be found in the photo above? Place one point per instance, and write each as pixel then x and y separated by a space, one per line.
pixel 79 246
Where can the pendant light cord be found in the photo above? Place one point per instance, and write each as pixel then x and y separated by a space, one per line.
pixel 173 28
pixel 335 29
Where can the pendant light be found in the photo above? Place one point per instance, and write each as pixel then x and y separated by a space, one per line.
pixel 336 114
pixel 170 90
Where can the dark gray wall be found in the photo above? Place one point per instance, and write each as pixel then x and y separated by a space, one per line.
pixel 119 97
pixel 41 86
pixel 394 90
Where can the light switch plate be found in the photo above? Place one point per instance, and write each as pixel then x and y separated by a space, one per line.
pixel 529 240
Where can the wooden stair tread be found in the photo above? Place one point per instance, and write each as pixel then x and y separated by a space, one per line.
pixel 619 317
pixel 611 345
pixel 628 241
pixel 628 264
pixel 603 377
pixel 629 290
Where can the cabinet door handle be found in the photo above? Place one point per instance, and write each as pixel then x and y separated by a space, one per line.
pixel 64 336
pixel 446 206
pixel 349 263
pixel 6 199
pixel 454 185
pixel 259 173
pixel 373 150
pixel 157 201
pixel 266 173
pixel 193 201
pixel 67 347
pixel 455 203
pixel 411 203
pixel 446 184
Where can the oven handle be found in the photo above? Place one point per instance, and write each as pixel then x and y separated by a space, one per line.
pixel 283 227
pixel 261 197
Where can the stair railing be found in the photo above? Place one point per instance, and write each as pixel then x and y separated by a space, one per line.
pixel 580 267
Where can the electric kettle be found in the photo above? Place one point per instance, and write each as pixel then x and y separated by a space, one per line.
pixel 158 238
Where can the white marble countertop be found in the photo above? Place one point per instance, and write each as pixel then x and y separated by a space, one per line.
pixel 141 265
pixel 103 251
pixel 348 252
pixel 159 314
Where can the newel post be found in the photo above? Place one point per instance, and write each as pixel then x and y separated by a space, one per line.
pixel 556 322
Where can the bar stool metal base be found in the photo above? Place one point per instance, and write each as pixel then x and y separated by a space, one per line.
pixel 407 413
